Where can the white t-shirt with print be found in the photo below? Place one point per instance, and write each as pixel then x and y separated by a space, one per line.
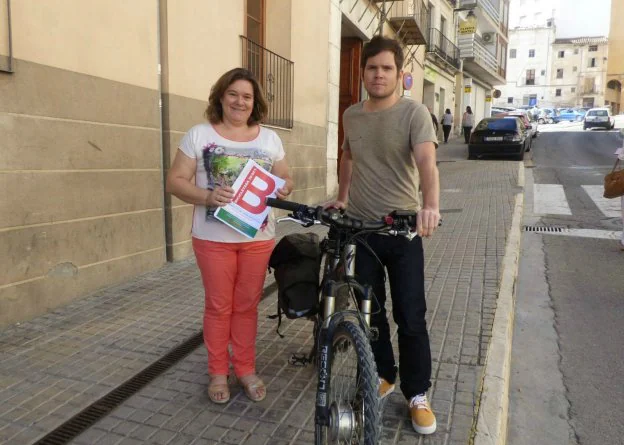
pixel 219 162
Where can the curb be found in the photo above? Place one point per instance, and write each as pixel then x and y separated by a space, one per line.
pixel 491 422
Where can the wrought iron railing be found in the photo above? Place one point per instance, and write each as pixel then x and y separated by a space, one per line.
pixel 414 10
pixel 276 75
pixel 443 47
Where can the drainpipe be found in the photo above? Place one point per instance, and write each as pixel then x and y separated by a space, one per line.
pixel 160 121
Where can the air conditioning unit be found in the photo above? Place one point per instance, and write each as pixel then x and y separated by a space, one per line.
pixel 488 37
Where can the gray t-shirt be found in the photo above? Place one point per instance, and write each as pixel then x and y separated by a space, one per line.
pixel 385 177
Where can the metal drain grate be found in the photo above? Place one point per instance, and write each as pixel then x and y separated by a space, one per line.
pixel 100 408
pixel 557 229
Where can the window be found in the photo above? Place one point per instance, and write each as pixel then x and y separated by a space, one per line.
pixel 560 73
pixel 442 26
pixel 592 63
pixel 543 72
pixel 574 69
pixel 573 89
pixel 576 51
pixel 593 48
pixel 510 100
pixel 255 24
pixel 522 20
pixel 549 23
pixel 558 92
pixel 561 54
pixel 512 53
pixel 530 77
pixel 531 53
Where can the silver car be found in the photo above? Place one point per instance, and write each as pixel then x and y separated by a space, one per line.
pixel 599 118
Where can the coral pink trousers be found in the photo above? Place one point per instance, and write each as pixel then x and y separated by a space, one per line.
pixel 233 275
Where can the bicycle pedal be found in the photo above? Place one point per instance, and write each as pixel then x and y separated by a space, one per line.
pixel 299 360
pixel 373 334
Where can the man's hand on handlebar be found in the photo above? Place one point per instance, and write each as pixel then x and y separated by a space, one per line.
pixel 341 205
pixel 427 221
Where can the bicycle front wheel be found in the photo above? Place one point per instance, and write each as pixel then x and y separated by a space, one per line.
pixel 353 397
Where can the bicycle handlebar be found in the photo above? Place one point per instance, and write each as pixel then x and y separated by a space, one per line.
pixel 402 221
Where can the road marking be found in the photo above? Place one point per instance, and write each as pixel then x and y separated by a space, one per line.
pixel 609 207
pixel 587 233
pixel 550 199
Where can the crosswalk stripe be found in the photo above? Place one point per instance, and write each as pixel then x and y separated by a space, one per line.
pixel 550 199
pixel 588 233
pixel 609 207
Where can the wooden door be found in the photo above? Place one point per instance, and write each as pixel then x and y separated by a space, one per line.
pixel 350 53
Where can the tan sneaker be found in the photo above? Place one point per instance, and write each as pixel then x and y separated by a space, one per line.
pixel 385 388
pixel 423 419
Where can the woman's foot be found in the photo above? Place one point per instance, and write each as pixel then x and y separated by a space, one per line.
pixel 255 389
pixel 218 389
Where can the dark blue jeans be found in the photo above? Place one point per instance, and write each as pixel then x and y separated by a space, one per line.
pixel 404 260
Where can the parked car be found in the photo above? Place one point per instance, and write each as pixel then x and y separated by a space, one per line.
pixel 499 137
pixel 546 115
pixel 599 118
pixel 497 110
pixel 568 115
pixel 524 116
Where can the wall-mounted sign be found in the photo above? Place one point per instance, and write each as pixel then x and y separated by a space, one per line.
pixel 430 74
pixel 468 26
pixel 408 81
pixel 488 98
pixel 468 89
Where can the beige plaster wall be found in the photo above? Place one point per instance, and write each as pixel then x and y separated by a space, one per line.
pixel 310 54
pixel 112 39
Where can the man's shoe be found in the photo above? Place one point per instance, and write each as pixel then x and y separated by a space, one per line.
pixel 423 419
pixel 385 388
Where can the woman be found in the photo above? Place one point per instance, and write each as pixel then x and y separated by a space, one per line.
pixel 467 123
pixel 232 266
pixel 447 123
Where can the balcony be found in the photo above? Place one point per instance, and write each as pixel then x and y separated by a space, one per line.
pixel 591 90
pixel 488 15
pixel 276 75
pixel 441 49
pixel 410 20
pixel 478 61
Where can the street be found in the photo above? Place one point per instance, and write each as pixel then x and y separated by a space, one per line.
pixel 567 357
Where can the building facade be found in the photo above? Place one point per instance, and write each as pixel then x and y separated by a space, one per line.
pixel 442 61
pixel 579 72
pixel 615 64
pixel 95 97
pixel 528 67
pixel 483 50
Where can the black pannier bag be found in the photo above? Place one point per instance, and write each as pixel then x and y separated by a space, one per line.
pixel 296 262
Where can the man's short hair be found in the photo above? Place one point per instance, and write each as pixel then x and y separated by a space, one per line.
pixel 379 44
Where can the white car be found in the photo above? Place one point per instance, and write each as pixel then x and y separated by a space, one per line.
pixel 599 117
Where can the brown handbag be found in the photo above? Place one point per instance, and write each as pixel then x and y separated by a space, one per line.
pixel 614 182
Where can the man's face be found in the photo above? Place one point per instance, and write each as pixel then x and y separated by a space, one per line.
pixel 381 76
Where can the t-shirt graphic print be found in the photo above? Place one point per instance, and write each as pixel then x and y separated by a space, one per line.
pixel 219 162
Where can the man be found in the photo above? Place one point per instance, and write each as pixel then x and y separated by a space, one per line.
pixel 389 149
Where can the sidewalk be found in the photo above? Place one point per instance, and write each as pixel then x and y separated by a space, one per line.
pixel 56 365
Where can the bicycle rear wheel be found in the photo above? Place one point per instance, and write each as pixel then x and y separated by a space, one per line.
pixel 353 398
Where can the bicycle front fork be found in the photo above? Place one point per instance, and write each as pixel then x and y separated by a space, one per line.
pixel 363 293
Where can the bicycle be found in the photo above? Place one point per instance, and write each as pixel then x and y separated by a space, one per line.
pixel 348 407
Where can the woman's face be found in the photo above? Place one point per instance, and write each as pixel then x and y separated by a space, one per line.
pixel 238 101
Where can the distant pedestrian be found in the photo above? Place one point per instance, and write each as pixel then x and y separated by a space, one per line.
pixel 467 123
pixel 447 123
pixel 209 158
